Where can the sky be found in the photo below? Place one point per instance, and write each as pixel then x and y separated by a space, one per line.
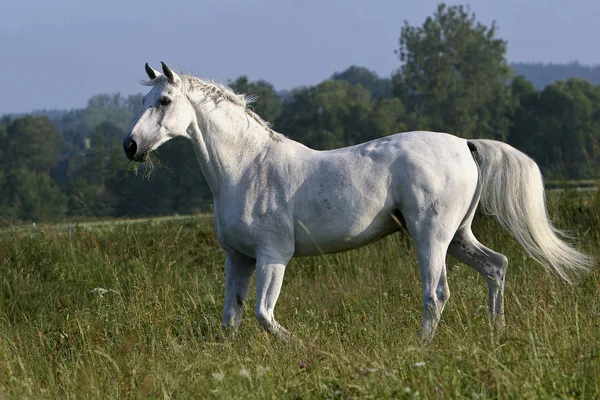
pixel 59 53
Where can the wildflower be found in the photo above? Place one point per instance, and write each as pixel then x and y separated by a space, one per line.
pixel 101 291
pixel 260 370
pixel 218 376
pixel 244 373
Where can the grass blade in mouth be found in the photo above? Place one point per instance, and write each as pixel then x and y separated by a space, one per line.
pixel 149 163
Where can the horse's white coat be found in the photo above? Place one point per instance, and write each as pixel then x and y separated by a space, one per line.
pixel 275 198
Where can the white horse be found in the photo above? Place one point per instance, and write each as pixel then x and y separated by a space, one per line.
pixel 275 198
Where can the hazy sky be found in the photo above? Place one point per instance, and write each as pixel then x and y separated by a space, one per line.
pixel 59 53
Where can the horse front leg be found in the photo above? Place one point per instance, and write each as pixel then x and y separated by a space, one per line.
pixel 238 275
pixel 269 278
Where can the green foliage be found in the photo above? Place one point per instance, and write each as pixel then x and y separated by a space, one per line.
pixel 570 119
pixel 267 102
pixel 79 124
pixel 30 142
pixel 380 88
pixel 91 172
pixel 156 333
pixel 523 132
pixel 176 186
pixel 454 73
pixel 559 126
pixel 29 195
pixel 336 113
pixel 29 149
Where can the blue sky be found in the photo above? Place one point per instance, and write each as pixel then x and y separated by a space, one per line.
pixel 57 54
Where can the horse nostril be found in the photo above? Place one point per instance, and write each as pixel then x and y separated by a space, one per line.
pixel 130 148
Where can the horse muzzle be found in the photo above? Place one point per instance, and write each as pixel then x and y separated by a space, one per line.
pixel 130 147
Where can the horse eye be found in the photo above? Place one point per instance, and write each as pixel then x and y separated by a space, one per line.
pixel 165 101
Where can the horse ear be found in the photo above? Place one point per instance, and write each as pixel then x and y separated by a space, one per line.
pixel 171 76
pixel 151 72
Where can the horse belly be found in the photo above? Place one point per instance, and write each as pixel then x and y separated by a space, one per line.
pixel 330 236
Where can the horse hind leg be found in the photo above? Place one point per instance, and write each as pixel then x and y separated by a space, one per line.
pixel 492 265
pixel 443 290
pixel 432 233
pixel 435 291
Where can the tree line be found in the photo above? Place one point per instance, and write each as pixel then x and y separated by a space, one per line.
pixel 453 77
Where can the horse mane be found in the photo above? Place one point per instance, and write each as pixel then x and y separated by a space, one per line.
pixel 219 92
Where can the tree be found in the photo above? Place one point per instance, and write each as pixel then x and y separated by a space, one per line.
pixel 523 131
pixel 77 125
pixel 30 195
pixel 176 185
pixel 454 74
pixel 380 88
pixel 329 115
pixel 267 102
pixel 336 113
pixel 567 121
pixel 30 142
pixel 90 173
pixel 29 149
pixel 389 116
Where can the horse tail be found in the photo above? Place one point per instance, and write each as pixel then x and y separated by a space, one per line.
pixel 512 190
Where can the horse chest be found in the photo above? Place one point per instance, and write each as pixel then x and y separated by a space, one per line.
pixel 244 229
pixel 234 234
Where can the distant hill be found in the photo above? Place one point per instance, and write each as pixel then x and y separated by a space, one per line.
pixel 541 74
pixel 53 114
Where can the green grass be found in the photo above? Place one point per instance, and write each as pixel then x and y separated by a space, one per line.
pixel 158 334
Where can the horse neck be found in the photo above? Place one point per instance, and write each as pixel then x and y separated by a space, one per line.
pixel 227 141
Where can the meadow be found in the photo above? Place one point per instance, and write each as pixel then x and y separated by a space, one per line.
pixel 126 310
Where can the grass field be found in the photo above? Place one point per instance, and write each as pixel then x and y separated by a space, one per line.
pixel 156 332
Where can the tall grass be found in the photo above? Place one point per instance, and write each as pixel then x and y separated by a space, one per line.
pixel 156 332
